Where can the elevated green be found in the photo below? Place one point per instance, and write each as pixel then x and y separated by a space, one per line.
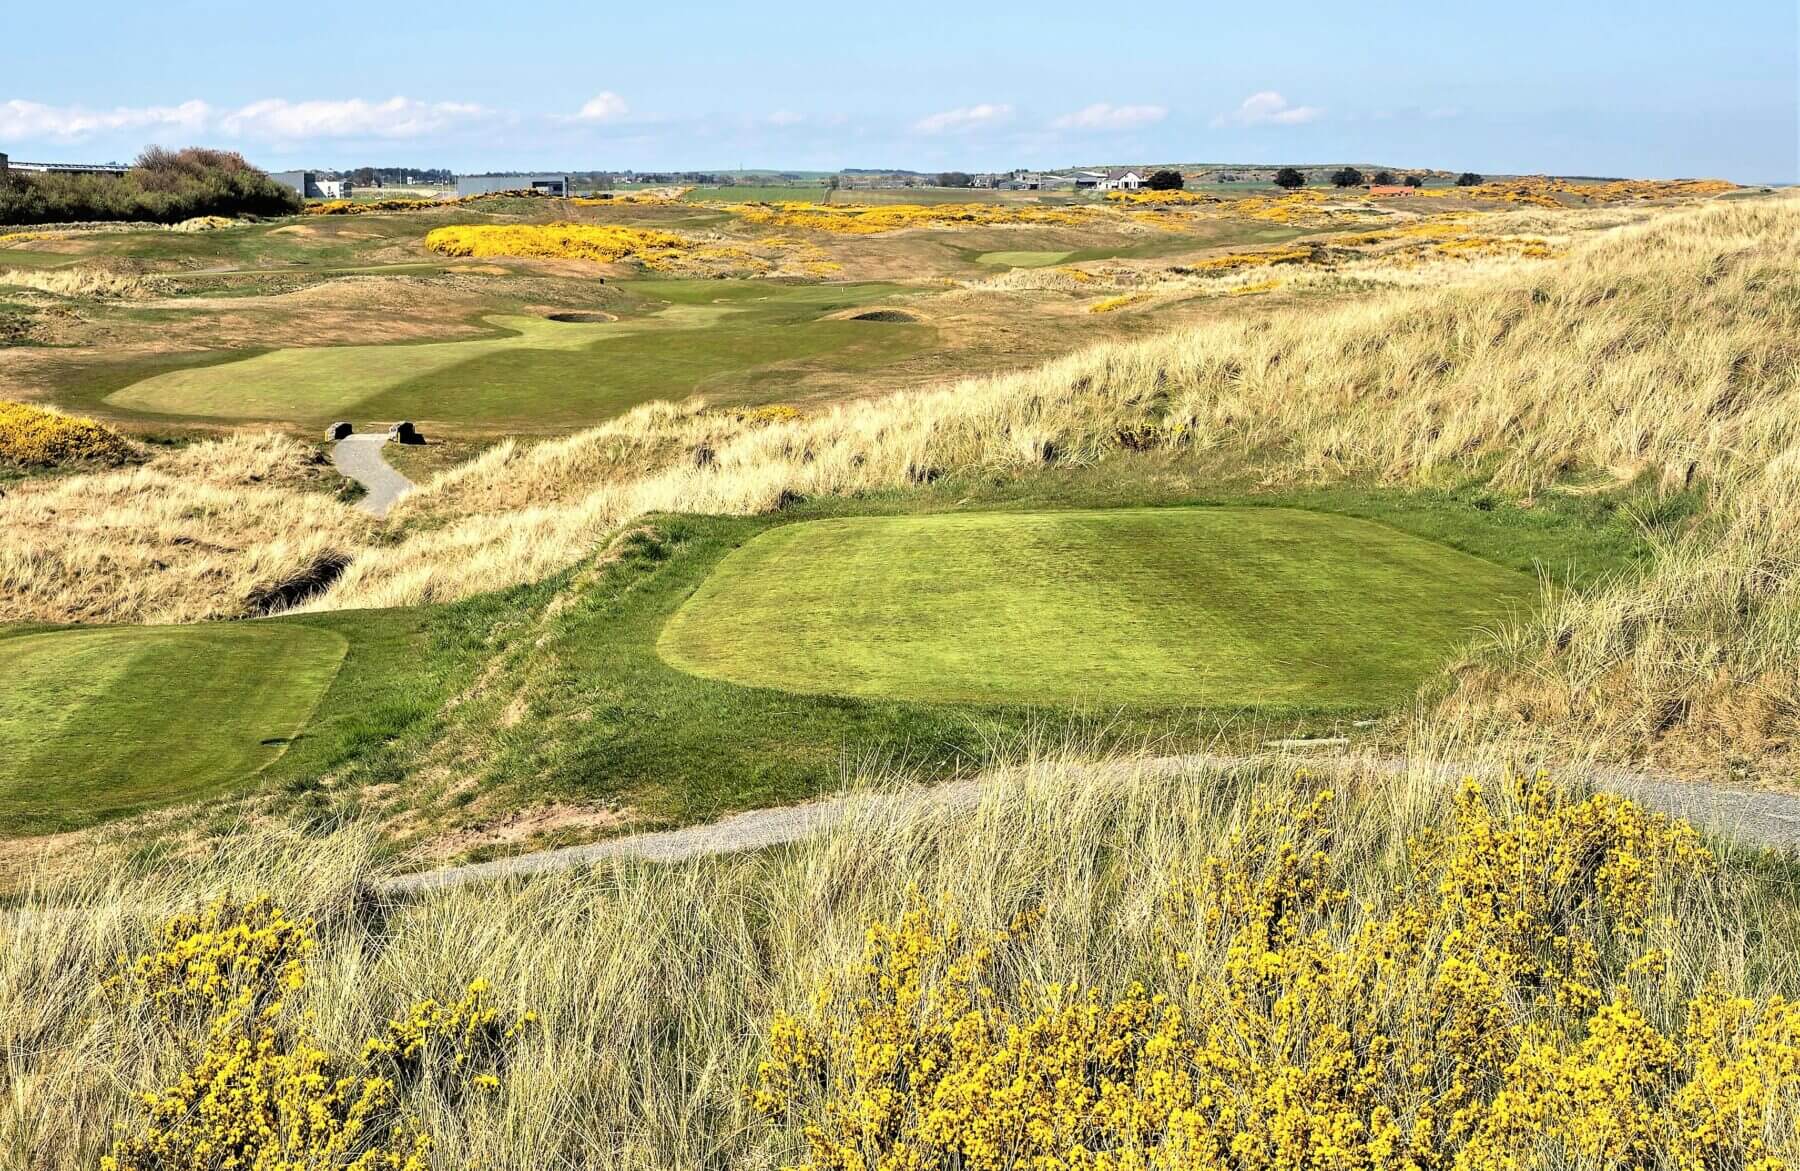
pixel 1257 607
pixel 96 723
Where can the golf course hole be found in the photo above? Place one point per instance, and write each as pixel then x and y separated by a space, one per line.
pixel 1218 607
pixel 591 317
pixel 101 722
pixel 892 315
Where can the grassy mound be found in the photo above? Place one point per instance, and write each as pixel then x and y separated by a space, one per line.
pixel 99 722
pixel 1205 606
pixel 35 437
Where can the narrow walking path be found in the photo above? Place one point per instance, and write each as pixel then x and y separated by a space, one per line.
pixel 359 458
pixel 1757 819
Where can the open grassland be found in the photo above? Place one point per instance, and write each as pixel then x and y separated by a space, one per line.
pixel 1171 607
pixel 100 722
pixel 796 193
pixel 1101 966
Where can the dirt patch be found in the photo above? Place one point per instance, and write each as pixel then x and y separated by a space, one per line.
pixel 587 317
pixel 530 825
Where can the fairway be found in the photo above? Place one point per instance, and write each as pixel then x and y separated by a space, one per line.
pixel 100 722
pixel 730 339
pixel 1236 607
pixel 1022 259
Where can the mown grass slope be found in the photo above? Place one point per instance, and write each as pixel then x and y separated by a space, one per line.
pixel 1174 607
pixel 99 722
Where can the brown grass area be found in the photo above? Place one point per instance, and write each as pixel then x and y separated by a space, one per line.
pixel 200 533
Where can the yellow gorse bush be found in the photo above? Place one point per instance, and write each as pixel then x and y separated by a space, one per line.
pixel 1505 1008
pixel 259 1090
pixel 36 437
pixel 605 243
pixel 1113 304
pixel 869 219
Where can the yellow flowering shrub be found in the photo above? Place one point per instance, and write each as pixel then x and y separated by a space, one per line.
pixel 1487 1014
pixel 601 242
pixel 1113 304
pixel 1255 287
pixel 1162 198
pixel 869 219
pixel 36 437
pixel 258 1090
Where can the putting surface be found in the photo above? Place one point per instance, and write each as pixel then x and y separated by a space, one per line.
pixel 1235 607
pixel 101 722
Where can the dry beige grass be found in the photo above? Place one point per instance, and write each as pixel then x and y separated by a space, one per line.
pixel 209 531
pixel 654 982
pixel 77 282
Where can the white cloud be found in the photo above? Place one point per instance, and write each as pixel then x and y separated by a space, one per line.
pixel 963 119
pixel 28 121
pixel 605 106
pixel 398 117
pixel 1103 116
pixel 1268 108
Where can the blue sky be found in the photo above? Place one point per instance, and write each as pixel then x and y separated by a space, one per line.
pixel 1641 89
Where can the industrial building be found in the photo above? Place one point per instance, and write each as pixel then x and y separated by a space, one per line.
pixel 489 184
pixel 117 170
pixel 310 186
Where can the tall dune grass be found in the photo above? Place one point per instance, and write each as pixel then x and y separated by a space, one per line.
pixel 655 984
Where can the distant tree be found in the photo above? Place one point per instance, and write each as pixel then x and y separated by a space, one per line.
pixel 1383 179
pixel 1468 179
pixel 1347 177
pixel 1414 181
pixel 833 183
pixel 955 179
pixel 1289 178
pixel 1165 180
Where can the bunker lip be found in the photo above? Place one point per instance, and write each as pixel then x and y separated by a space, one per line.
pixel 582 317
pixel 897 316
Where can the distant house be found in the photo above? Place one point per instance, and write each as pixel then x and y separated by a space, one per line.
pixel 308 185
pixel 1089 180
pixel 1120 179
pixel 489 184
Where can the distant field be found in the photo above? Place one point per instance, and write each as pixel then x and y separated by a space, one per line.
pixel 99 722
pixel 1166 607
pixel 731 337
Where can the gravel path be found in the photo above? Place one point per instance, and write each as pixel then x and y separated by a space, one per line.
pixel 359 458
pixel 1762 819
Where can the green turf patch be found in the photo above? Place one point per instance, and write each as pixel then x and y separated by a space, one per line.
pixel 99 722
pixel 1256 607
pixel 740 341
pixel 1022 259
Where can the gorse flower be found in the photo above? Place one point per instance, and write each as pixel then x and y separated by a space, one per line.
pixel 33 436
pixel 259 1090
pixel 1492 1013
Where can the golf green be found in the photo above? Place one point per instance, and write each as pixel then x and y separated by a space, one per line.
pixel 1237 607
pixel 104 721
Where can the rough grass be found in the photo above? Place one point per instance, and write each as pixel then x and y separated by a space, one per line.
pixel 1169 607
pixel 202 532
pixel 655 984
pixel 102 722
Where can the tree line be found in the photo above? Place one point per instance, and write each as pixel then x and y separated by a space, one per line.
pixel 162 186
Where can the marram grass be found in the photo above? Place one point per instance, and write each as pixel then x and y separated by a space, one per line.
pixel 1112 967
